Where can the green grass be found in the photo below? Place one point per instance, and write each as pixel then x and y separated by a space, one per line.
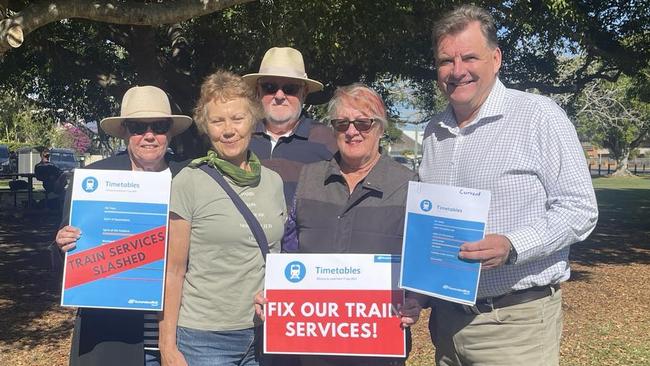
pixel 622 183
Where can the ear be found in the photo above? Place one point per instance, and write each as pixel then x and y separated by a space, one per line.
pixel 496 57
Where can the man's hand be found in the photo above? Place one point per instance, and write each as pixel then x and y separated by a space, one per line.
pixel 260 301
pixel 492 251
pixel 66 238
pixel 409 312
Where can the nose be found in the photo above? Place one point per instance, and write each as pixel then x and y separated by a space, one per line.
pixel 279 94
pixel 149 135
pixel 351 131
pixel 459 68
pixel 228 129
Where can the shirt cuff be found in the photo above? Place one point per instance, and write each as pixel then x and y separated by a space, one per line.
pixel 527 242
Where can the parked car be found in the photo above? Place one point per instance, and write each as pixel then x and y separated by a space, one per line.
pixel 404 161
pixel 5 161
pixel 64 159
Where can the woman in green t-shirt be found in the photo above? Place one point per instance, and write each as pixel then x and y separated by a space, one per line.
pixel 215 265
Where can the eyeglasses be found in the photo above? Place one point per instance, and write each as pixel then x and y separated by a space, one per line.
pixel 140 128
pixel 361 124
pixel 288 89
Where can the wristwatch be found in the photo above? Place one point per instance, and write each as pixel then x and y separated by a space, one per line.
pixel 512 255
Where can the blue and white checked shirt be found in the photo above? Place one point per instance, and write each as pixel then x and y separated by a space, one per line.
pixel 523 149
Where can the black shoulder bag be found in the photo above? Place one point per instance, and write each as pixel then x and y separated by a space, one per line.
pixel 252 222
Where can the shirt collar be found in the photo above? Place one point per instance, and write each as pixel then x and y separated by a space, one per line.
pixel 491 110
pixel 301 130
pixel 376 176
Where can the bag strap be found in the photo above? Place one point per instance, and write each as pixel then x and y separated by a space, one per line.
pixel 252 222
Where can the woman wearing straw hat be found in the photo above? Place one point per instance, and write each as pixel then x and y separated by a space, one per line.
pixel 227 212
pixel 122 337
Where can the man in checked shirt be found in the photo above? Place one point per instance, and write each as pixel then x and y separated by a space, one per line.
pixel 524 150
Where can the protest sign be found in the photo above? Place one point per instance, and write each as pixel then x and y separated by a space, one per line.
pixel 439 219
pixel 119 260
pixel 333 304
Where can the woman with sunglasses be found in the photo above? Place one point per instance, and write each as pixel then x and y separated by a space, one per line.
pixel 215 261
pixel 123 337
pixel 353 203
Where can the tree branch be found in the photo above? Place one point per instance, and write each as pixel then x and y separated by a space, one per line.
pixel 13 29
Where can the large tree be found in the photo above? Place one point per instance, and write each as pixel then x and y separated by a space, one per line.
pixel 82 55
pixel 614 116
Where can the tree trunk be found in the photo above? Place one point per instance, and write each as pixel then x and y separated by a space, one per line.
pixel 622 166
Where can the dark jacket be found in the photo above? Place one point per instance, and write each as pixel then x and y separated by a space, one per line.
pixel 326 218
pixel 106 336
pixel 310 142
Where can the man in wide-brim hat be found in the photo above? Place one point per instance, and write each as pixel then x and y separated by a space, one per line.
pixel 286 139
pixel 117 337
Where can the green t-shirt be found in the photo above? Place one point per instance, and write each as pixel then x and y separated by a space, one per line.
pixel 225 266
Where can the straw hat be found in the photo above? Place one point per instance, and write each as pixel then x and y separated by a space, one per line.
pixel 283 62
pixel 144 103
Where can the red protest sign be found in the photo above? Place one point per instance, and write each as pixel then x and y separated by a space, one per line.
pixel 115 257
pixel 350 322
pixel 333 304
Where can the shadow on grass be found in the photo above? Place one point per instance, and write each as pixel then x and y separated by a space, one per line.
pixel 622 235
pixel 28 288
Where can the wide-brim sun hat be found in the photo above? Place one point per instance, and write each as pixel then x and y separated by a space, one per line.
pixel 144 103
pixel 283 62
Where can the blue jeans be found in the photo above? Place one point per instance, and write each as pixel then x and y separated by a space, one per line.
pixel 211 348
pixel 151 358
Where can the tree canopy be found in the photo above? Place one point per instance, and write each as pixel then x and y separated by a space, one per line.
pixel 80 56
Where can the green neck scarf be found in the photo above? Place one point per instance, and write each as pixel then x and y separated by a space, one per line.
pixel 237 175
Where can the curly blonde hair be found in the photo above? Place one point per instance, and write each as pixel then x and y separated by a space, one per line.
pixel 224 86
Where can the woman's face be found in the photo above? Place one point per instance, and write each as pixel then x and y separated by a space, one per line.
pixel 357 147
pixel 229 127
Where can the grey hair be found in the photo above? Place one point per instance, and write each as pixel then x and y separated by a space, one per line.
pixel 458 19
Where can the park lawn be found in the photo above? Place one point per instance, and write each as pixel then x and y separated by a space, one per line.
pixel 606 311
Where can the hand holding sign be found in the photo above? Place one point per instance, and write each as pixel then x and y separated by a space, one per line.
pixel 334 304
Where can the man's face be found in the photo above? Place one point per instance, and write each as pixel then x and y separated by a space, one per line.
pixel 147 149
pixel 282 98
pixel 467 69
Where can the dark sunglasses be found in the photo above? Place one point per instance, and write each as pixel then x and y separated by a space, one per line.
pixel 140 128
pixel 288 89
pixel 361 124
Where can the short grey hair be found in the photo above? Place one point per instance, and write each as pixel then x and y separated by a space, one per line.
pixel 458 19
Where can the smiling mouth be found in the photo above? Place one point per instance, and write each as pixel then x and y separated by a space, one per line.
pixel 460 84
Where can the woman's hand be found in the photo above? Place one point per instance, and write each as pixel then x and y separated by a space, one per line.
pixel 409 312
pixel 260 301
pixel 66 238
pixel 172 357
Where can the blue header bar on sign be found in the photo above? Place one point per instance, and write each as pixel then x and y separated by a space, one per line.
pixel 387 258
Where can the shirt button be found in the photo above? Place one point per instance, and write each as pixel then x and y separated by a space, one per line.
pixel 338 217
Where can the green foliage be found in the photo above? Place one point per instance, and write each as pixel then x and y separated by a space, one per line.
pixel 33 128
pixel 83 67
pixel 392 133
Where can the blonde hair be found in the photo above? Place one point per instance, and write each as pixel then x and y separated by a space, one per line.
pixel 224 86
